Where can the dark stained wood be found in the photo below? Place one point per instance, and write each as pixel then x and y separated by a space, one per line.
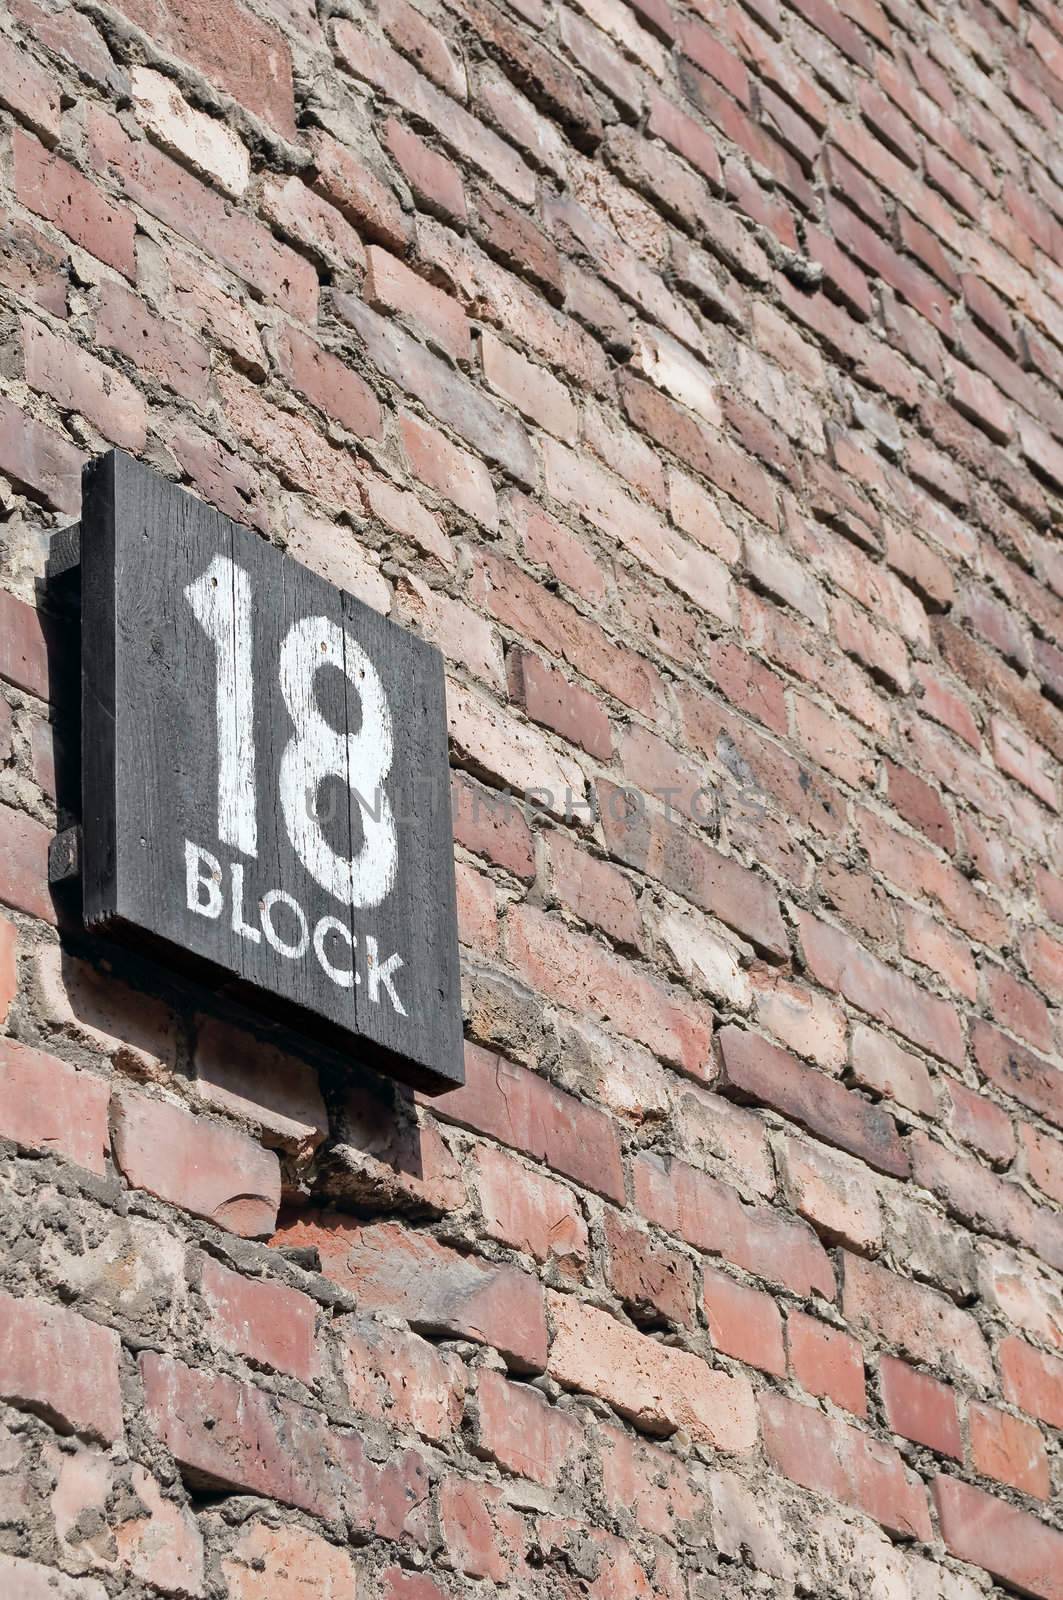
pixel 151 778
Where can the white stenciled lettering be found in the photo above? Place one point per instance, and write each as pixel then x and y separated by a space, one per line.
pixel 346 977
pixel 348 961
pixel 361 760
pixel 277 897
pixel 221 603
pixel 202 871
pixel 239 924
pixel 379 974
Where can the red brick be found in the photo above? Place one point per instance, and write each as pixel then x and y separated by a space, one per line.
pixel 491 826
pixel 158 348
pixel 920 1408
pixel 169 193
pixel 230 46
pixel 24 865
pixel 453 472
pixel 712 1217
pixel 534 391
pixel 550 699
pixel 516 1426
pixel 329 383
pixel 983 1199
pixel 836 1195
pixel 437 1290
pixel 77 382
pixel 61 1366
pixel 840 964
pixel 349 185
pixel 72 1124
pixel 203 1166
pixel 1018 1072
pixel 1032 1379
pixel 230 1435
pixel 266 1321
pixel 8 966
pixel 398 1584
pixel 979 1122
pixel 313 227
pixel 391 286
pixel 265 1561
pixel 399 1378
pixel 654 845
pixel 238 1072
pixel 827 1361
pixel 435 181
pixel 1044 1160
pixel 570 967
pixel 832 1458
pixel 915 1319
pixel 52 188
pixel 531 1212
pixel 1011 1545
pixel 758 1070
pixel 29 92
pixel 656 1386
pixel 528 62
pixel 1019 1008
pixel 654 1281
pixel 744 1323
pixel 297 451
pixel 483 1536
pixel 646 1481
pixel 1008 1449
pixel 519 1108
pixel 415 36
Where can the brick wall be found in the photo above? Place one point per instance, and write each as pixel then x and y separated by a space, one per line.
pixel 690 372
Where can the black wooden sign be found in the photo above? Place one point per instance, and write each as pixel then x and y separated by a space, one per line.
pixel 264 775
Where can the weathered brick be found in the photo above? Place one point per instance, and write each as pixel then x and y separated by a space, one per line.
pixel 437 1290
pixel 836 1195
pixel 835 1459
pixel 915 1319
pixel 51 188
pixel 78 382
pixel 658 847
pixel 435 181
pixel 755 1069
pixel 266 1560
pixel 261 1319
pixel 1008 1449
pixel 231 46
pixel 206 144
pixel 920 1408
pixel 329 383
pixel 653 1280
pixel 744 1323
pixel 827 1361
pixel 569 967
pixel 61 1366
pixel 169 193
pixel 156 346
pixel 1032 1379
pixel 40 461
pixel 203 1166
pixel 841 964
pixel 1013 1546
pixel 520 1109
pixel 658 1387
pixel 712 1217
pixel 34 1114
pixel 231 1435
pixel 525 1209
pixel 399 1378
pixel 1018 1072
pixel 517 1427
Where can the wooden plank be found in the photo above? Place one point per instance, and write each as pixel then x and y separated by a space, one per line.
pixel 233 704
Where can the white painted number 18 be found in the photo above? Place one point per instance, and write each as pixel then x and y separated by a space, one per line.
pixel 221 601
